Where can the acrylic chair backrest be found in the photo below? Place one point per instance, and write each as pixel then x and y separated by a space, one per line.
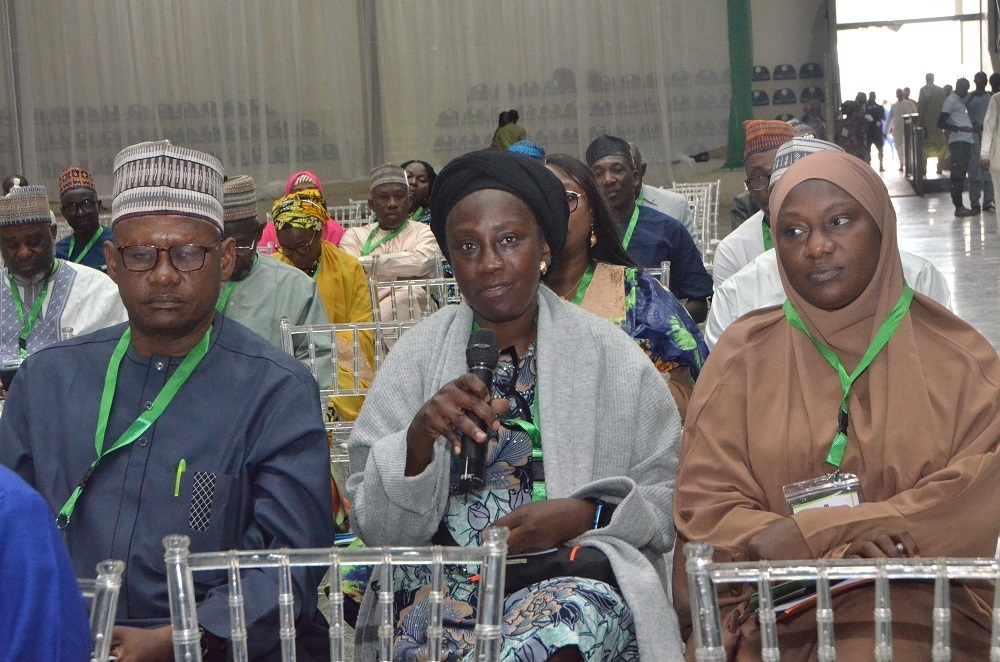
pixel 102 594
pixel 353 352
pixel 704 575
pixel 661 273
pixel 181 564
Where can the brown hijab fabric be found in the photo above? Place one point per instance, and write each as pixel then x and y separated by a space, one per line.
pixel 847 331
pixel 924 417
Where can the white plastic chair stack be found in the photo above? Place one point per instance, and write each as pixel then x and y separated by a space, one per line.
pixel 661 273
pixel 704 575
pixel 102 593
pixel 491 557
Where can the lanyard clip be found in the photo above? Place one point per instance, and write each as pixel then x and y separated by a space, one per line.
pixel 842 421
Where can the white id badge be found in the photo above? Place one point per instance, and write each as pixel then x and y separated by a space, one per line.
pixel 836 489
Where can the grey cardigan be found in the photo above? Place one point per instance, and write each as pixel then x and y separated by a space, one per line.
pixel 610 429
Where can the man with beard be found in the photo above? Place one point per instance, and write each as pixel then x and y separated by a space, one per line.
pixel 39 294
pixel 650 236
pixel 262 290
pixel 81 208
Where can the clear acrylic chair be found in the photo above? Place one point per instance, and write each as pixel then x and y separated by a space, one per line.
pixel 704 575
pixel 102 595
pixel 181 564
pixel 703 197
pixel 661 273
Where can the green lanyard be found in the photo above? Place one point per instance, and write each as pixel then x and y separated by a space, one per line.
pixel 581 289
pixel 141 424
pixel 889 326
pixel 369 246
pixel 631 228
pixel 533 429
pixel 224 299
pixel 36 309
pixel 766 229
pixel 415 216
pixel 86 249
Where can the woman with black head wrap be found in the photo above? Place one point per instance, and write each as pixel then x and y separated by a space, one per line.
pixel 582 446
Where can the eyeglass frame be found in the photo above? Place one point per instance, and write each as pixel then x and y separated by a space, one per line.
pixel 573 200
pixel 74 208
pixel 299 250
pixel 247 249
pixel 170 258
pixel 751 187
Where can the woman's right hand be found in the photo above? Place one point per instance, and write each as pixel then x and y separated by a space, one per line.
pixel 880 543
pixel 446 415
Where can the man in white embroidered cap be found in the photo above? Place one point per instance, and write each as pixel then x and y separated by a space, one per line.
pixel 230 448
pixel 39 294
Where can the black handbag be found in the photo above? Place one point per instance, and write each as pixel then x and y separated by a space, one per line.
pixel 585 562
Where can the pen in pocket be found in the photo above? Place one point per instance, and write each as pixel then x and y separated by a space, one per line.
pixel 181 468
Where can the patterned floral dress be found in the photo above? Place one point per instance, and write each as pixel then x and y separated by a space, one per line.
pixel 539 619
pixel 653 317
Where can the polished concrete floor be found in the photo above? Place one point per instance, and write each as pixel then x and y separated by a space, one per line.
pixel 966 250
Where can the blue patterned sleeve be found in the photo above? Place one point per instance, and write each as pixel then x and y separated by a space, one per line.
pixel 660 324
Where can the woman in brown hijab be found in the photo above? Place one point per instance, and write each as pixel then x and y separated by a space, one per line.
pixel 922 426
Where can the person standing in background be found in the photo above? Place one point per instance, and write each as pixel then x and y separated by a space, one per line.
pixel 896 125
pixel 955 119
pixel 980 182
pixel 929 103
pixel 509 133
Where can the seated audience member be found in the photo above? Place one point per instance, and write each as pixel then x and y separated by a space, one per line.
pixel 81 208
pixel 340 280
pixel 307 183
pixel 597 274
pixel 39 294
pixel 758 285
pixel 501 218
pixel 650 236
pixel 663 200
pixel 230 449
pixel 420 177
pixel 403 249
pixel 262 289
pixel 742 245
pixel 44 616
pixel 917 429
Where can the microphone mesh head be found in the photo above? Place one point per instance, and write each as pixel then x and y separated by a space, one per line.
pixel 482 349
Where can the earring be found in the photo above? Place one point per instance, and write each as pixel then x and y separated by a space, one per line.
pixel 543 267
pixel 593 237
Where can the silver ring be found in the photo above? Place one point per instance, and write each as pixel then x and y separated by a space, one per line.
pixel 900 548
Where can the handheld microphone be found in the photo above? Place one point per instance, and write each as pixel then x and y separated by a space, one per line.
pixel 482 356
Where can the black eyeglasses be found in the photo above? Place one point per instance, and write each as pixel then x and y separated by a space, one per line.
pixel 573 200
pixel 82 207
pixel 758 182
pixel 300 250
pixel 186 257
